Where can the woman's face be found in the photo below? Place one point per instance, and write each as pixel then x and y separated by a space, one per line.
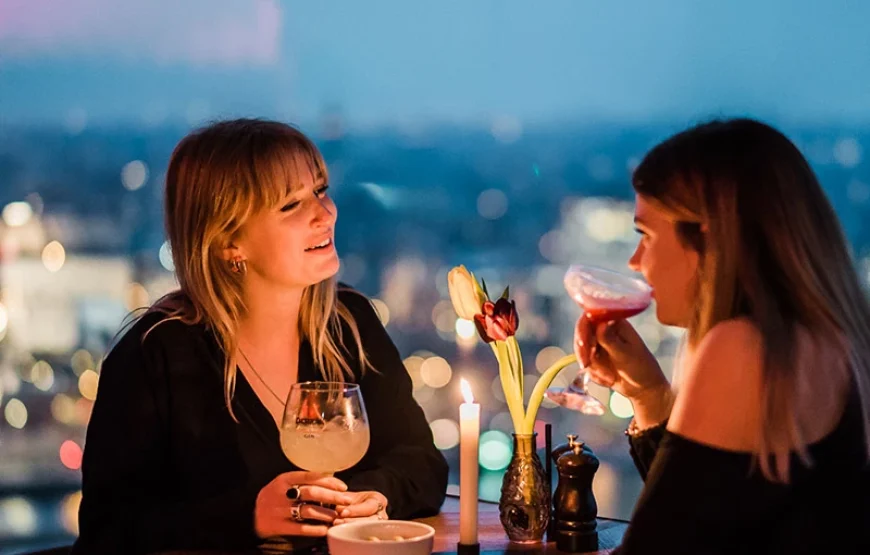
pixel 668 266
pixel 291 246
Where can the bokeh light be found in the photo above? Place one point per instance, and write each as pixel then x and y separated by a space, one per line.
pixel 81 360
pixel 445 433
pixel 413 365
pixel 848 152
pixel 16 413
pixel 436 372
pixel 382 310
pixel 71 454
pixel 88 382
pixel 495 450
pixel 134 175
pixel 547 356
pixel 53 256
pixel 63 408
pixel 19 516
pixel 165 257
pixel 492 204
pixel 465 329
pixel 17 214
pixel 69 512
pixel 606 224
pixel 620 406
pixel 42 375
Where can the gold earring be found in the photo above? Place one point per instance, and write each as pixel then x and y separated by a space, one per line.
pixel 239 266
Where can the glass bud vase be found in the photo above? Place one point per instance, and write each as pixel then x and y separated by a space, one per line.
pixel 524 506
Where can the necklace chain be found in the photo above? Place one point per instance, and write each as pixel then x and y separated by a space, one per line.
pixel 254 370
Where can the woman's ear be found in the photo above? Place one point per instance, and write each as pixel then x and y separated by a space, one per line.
pixel 232 252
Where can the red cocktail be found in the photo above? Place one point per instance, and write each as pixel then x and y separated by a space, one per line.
pixel 604 295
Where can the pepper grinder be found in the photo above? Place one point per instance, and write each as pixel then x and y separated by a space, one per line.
pixel 574 506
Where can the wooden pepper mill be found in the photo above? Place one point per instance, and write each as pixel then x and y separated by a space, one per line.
pixel 574 507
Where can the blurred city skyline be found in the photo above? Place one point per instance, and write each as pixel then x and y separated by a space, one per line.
pixel 499 134
pixel 101 61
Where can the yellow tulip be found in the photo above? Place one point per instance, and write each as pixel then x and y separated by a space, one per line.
pixel 497 324
pixel 465 293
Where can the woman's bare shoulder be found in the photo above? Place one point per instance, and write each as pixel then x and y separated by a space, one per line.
pixel 719 401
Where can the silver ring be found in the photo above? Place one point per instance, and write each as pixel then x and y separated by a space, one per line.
pixel 296 512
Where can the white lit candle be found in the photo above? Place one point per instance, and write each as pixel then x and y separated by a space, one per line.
pixel 469 434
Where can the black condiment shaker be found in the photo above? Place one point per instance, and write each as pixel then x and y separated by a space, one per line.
pixel 574 506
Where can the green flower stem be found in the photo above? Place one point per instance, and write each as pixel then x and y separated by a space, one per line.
pixel 537 397
pixel 508 384
pixel 517 361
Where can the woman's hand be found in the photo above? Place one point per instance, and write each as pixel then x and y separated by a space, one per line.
pixel 274 511
pixel 365 505
pixel 615 356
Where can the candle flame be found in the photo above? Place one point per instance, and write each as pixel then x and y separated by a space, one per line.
pixel 466 390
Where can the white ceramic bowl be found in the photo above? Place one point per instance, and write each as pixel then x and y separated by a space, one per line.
pixel 355 538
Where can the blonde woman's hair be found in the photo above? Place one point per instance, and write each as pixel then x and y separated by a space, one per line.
pixel 772 251
pixel 218 178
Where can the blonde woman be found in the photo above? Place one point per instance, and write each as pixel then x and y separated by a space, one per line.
pixel 763 448
pixel 182 449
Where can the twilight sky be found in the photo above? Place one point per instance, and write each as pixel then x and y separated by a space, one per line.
pixel 395 61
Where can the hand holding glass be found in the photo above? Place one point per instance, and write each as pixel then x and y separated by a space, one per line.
pixel 603 295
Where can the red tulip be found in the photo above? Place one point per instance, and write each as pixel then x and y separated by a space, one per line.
pixel 498 321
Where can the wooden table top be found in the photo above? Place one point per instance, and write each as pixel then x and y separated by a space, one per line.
pixel 492 537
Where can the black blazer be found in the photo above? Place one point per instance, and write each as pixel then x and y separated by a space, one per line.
pixel 166 467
